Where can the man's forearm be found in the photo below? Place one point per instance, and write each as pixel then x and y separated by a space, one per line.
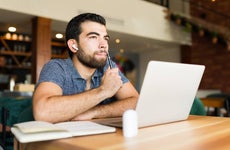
pixel 115 109
pixel 63 108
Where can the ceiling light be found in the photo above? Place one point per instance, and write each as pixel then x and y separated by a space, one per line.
pixel 117 41
pixel 11 29
pixel 59 36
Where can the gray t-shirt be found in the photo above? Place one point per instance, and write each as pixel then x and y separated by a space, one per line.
pixel 63 73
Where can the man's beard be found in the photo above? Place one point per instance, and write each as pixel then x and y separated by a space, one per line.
pixel 89 61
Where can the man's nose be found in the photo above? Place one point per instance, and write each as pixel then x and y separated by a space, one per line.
pixel 103 43
pixel 103 46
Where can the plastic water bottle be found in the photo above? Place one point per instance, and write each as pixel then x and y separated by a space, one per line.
pixel 12 84
pixel 130 123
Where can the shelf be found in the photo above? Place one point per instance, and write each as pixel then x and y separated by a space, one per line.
pixel 58 44
pixel 16 67
pixel 7 52
pixel 16 52
pixel 11 40
pixel 58 56
pixel 59 49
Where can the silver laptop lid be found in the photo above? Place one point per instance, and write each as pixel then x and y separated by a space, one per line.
pixel 167 92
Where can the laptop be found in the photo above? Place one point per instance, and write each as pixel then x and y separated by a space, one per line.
pixel 167 93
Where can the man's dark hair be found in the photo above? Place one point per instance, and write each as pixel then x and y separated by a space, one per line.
pixel 73 29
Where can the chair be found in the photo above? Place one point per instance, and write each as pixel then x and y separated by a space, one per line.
pixel 226 99
pixel 26 115
pixel 5 132
pixel 11 108
pixel 198 108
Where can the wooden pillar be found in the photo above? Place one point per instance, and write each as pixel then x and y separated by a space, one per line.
pixel 41 45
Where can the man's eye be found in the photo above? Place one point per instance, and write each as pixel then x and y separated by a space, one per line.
pixel 107 38
pixel 93 37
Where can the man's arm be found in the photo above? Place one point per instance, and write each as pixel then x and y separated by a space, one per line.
pixel 50 105
pixel 127 99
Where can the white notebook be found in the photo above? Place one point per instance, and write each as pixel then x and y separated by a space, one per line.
pixel 41 131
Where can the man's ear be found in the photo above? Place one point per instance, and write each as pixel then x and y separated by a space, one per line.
pixel 72 44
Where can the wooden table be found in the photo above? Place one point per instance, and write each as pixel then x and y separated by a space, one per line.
pixel 196 133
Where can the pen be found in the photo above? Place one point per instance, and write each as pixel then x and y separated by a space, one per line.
pixel 109 60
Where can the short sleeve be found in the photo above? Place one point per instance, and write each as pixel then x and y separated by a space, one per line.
pixel 54 72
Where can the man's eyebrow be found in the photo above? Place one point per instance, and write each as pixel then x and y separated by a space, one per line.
pixel 90 33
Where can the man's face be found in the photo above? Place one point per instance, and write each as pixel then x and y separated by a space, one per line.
pixel 93 45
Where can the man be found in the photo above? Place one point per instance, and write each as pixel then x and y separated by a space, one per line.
pixel 84 86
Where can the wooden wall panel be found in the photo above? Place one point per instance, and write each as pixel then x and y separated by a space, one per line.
pixel 41 45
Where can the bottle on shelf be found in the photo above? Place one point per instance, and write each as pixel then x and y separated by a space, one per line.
pixel 12 84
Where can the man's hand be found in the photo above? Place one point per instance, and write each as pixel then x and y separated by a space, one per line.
pixel 111 81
